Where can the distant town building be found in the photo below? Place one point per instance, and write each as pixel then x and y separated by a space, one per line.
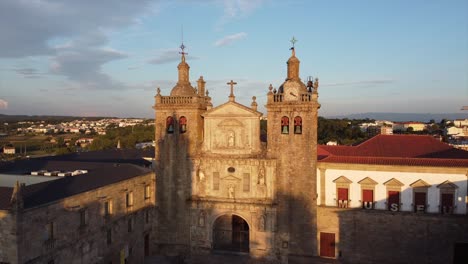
pixel 10 150
pixel 404 126
pixel 460 122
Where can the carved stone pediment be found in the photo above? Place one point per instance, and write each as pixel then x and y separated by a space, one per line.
pixel 420 183
pixel 393 182
pixel 230 178
pixel 367 181
pixel 232 108
pixel 342 179
pixel 447 185
pixel 232 129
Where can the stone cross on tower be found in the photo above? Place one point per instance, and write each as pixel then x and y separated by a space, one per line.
pixel 231 96
pixel 293 41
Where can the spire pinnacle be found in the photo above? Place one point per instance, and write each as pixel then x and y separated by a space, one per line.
pixel 182 46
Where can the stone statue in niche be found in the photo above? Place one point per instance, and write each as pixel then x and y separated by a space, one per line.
pixel 201 219
pixel 261 181
pixel 261 175
pixel 231 191
pixel 262 223
pixel 201 174
pixel 201 181
pixel 231 139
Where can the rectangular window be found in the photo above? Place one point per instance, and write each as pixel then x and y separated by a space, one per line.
pixel 246 182
pixel 447 203
pixel 368 199
pixel 147 192
pixel 49 231
pixel 419 201
pixel 129 199
pixel 393 201
pixel 343 197
pixel 83 217
pixel 108 208
pixel 216 181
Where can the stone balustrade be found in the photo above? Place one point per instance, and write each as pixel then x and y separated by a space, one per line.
pixel 305 97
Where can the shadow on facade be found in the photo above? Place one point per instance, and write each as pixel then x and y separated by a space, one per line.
pixel 173 168
pixel 359 235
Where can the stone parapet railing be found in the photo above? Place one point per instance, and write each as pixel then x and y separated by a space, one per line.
pixel 177 99
pixel 181 100
pixel 279 97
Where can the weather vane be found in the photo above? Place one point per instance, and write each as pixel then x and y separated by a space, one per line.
pixel 182 46
pixel 293 41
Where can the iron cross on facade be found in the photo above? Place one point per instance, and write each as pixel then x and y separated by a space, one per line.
pixel 232 83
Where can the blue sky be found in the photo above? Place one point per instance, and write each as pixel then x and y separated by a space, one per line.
pixel 107 57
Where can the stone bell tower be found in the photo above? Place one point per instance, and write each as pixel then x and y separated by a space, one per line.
pixel 178 136
pixel 292 140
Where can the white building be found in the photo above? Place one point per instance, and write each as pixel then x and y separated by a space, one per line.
pixel 460 122
pixel 397 173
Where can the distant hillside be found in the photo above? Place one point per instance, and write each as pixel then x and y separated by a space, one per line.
pixel 399 117
pixel 17 118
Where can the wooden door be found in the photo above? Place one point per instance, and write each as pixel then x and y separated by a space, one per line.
pixel 327 245
pixel 368 199
pixel 447 203
pixel 343 197
pixel 393 200
pixel 419 201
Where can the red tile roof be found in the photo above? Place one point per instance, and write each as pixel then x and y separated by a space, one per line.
pixel 411 150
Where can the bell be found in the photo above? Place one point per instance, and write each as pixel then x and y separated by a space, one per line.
pixel 297 130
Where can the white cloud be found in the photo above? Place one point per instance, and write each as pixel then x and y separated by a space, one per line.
pixel 237 8
pixel 362 82
pixel 27 72
pixel 227 40
pixel 76 50
pixel 3 104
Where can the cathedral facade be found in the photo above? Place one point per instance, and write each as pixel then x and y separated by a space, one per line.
pixel 219 187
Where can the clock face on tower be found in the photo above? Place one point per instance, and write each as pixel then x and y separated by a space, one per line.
pixel 291 93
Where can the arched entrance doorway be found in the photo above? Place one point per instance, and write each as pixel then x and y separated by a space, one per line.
pixel 231 232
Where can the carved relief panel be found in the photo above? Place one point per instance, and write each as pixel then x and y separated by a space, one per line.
pixel 232 129
pixel 233 179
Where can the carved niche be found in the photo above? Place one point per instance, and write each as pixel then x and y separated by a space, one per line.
pixel 230 134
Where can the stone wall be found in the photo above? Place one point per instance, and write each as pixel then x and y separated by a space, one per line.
pixel 372 236
pixel 8 250
pixel 296 176
pixel 76 243
pixel 260 218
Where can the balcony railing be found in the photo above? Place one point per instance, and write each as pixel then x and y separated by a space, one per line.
pixel 49 244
